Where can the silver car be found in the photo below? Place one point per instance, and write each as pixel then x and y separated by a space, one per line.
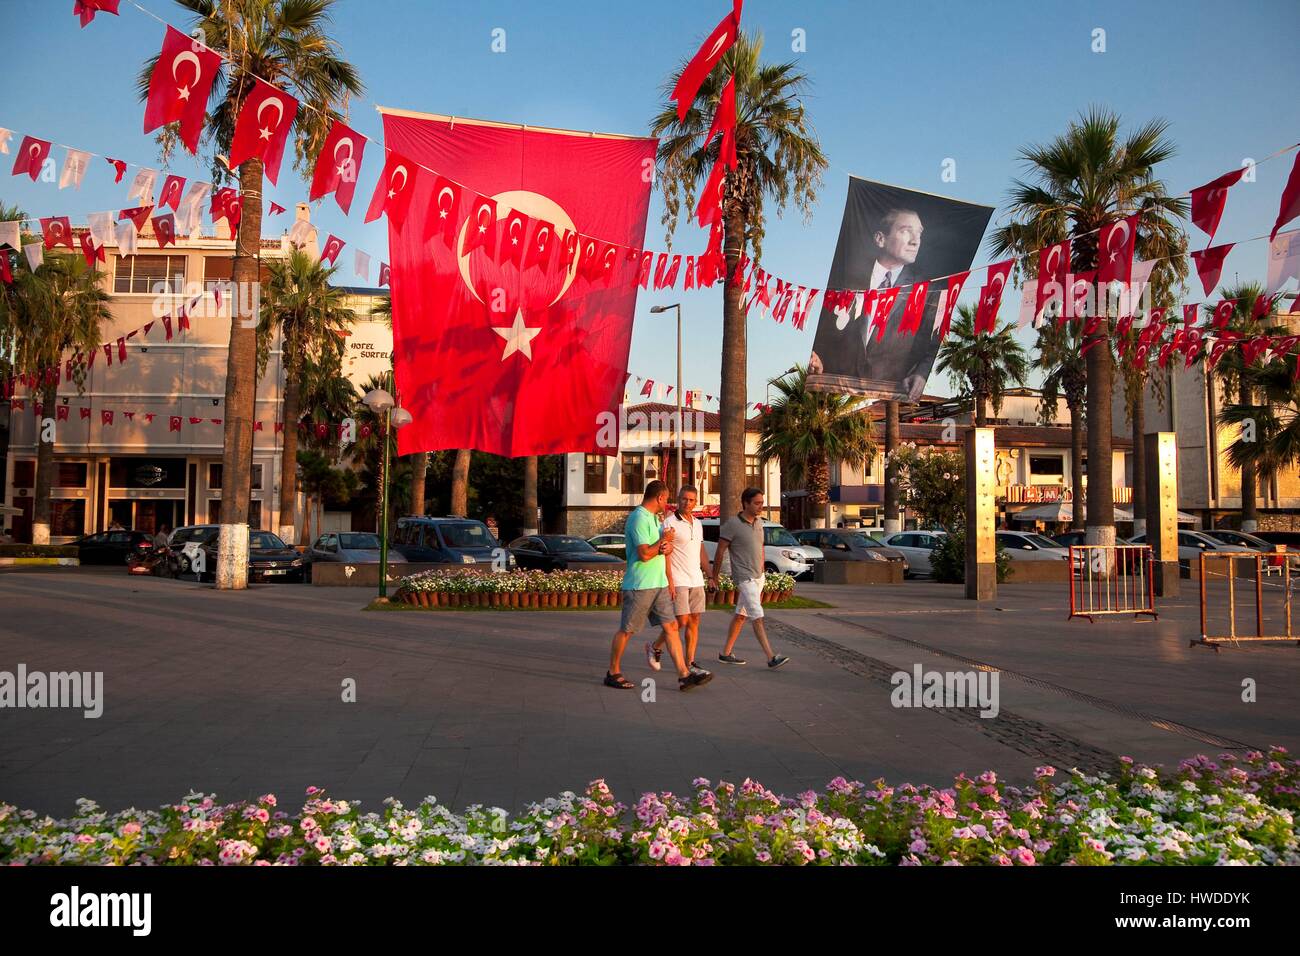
pixel 348 547
pixel 916 547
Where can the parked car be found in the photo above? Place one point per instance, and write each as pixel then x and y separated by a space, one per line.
pixel 269 558
pixel 112 547
pixel 347 547
pixel 781 551
pixel 850 544
pixel 560 552
pixel 1289 538
pixel 449 540
pixel 1239 539
pixel 916 547
pixel 1028 546
pixel 1191 545
pixel 610 544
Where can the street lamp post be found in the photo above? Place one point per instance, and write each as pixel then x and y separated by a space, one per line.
pixel 681 479
pixel 379 401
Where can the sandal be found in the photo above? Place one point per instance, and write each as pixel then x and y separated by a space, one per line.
pixel 618 681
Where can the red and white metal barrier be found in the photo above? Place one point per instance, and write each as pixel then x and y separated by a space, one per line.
pixel 1111 579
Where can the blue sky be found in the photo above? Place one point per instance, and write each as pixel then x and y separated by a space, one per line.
pixel 896 90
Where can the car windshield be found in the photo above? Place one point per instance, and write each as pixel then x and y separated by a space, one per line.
pixel 264 540
pixel 568 544
pixel 866 541
pixel 359 542
pixel 186 535
pixel 777 535
pixel 1042 542
pixel 465 535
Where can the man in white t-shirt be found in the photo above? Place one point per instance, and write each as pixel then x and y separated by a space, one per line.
pixel 688 567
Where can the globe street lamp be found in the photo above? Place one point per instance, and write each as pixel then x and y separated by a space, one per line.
pixel 380 402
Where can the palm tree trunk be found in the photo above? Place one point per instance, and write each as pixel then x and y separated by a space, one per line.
pixel 460 483
pixel 732 405
pixel 981 411
pixel 1101 496
pixel 1076 468
pixel 818 483
pixel 419 469
pixel 289 454
pixel 891 521
pixel 305 538
pixel 1139 506
pixel 530 495
pixel 241 388
pixel 41 504
pixel 1249 506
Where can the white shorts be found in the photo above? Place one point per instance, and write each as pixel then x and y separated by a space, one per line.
pixel 749 598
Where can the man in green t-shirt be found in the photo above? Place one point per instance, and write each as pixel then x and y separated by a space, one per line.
pixel 645 589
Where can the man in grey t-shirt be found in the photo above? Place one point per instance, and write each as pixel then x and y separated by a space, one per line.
pixel 742 538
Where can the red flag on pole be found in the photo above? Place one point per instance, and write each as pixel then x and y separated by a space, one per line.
pixel 397 183
pixel 86 9
pixel 535 373
pixel 1053 268
pixel 172 190
pixel 1208 201
pixel 57 231
pixel 262 127
pixel 179 87
pixel 119 168
pixel 1209 265
pixel 31 156
pixel 724 120
pixel 706 58
pixel 1115 243
pixel 337 165
pixel 986 313
pixel 164 228
pixel 333 246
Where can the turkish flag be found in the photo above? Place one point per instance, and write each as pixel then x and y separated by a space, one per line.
pixel 1115 244
pixel 1209 265
pixel 541 245
pixel 480 231
pixel 670 277
pixel 1053 268
pixel 512 238
pixel 262 127
pixel 179 87
pixel 955 284
pixel 119 168
pixel 385 273
pixel 227 204
pixel 539 372
pixel 92 252
pixel 1223 313
pixel 333 246
pixel 86 9
pixel 164 228
pixel 337 165
pixel 171 193
pixel 57 231
pixel 446 196
pixel 106 416
pixel 1287 209
pixel 914 310
pixel 1208 201
pixel 137 215
pixel 61 413
pixel 397 184
pixel 643 272
pixel 31 156
pixel 706 58
pixel 710 211
pixel 724 120
pixel 986 313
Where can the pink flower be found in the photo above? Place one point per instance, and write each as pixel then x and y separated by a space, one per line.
pixel 130 829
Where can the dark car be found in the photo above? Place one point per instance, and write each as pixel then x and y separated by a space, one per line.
pixel 112 547
pixel 850 544
pixel 559 552
pixel 347 547
pixel 1289 538
pixel 269 558
pixel 449 540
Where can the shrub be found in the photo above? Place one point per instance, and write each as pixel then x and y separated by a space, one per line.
pixel 948 559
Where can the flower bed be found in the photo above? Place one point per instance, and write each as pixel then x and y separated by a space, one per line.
pixel 456 588
pixel 1234 811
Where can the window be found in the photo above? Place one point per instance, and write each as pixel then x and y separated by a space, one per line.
pixel 255 517
pixel 68 517
pixel 467 534
pixel 633 473
pixel 715 470
pixel 753 472
pixel 1048 466
pixel 594 481
pixel 222 269
pixel 24 473
pixel 214 477
pixel 145 273
pixel 72 474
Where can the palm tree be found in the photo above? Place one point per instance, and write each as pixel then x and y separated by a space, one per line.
pixel 807 430
pixel 328 396
pixel 56 309
pixel 982 366
pixel 1085 179
pixel 1234 374
pixel 287 44
pixel 1276 418
pixel 779 158
pixel 309 313
pixel 1060 358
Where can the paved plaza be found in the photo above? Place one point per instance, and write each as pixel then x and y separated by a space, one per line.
pixel 240 693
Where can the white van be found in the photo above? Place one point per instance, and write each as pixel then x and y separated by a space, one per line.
pixel 781 552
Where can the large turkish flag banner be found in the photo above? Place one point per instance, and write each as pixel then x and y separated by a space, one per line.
pixel 488 355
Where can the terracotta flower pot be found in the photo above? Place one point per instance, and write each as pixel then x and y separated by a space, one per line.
pixel 441 597
pixel 422 598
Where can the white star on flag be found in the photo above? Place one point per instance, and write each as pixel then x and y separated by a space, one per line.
pixel 519 337
pixel 74 168
pixel 361 264
pixel 142 186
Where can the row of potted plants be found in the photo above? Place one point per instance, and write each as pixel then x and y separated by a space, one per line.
pixel 456 588
pixel 1231 811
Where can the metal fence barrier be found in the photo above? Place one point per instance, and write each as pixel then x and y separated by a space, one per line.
pixel 1111 579
pixel 1282 590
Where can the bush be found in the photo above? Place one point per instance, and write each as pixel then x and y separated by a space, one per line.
pixel 948 559
pixel 38 551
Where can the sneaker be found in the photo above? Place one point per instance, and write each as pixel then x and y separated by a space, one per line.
pixel 696 667
pixel 691 681
pixel 652 656
pixel 730 659
pixel 778 661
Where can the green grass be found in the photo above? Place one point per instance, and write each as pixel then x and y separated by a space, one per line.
pixel 790 603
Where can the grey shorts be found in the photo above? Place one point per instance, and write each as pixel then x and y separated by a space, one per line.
pixel 654 603
pixel 688 601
